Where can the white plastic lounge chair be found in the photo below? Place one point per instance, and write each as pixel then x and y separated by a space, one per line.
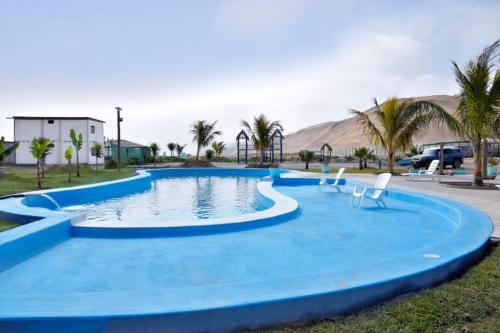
pixel 336 181
pixel 374 193
pixel 431 173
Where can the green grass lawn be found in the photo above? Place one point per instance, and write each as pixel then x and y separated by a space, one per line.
pixel 470 303
pixel 356 170
pixel 6 225
pixel 24 179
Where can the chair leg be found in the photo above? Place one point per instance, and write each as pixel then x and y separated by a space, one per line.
pixel 383 203
pixel 360 201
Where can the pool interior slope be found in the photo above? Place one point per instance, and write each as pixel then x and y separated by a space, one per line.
pixel 330 259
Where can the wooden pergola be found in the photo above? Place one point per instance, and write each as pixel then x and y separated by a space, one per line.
pixel 325 152
pixel 275 147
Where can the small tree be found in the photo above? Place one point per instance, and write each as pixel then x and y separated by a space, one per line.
pixel 47 152
pixel 77 141
pixel 370 156
pixel 6 152
pixel 97 149
pixel 38 149
pixel 306 156
pixel 171 146
pixel 397 121
pixel 218 147
pixel 362 154
pixel 209 153
pixel 68 154
pixel 203 134
pixel 179 149
pixel 155 150
pixel 414 150
pixel 260 131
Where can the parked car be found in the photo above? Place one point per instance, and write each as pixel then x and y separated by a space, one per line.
pixel 452 156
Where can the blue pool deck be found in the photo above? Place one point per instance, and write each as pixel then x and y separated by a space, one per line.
pixel 330 258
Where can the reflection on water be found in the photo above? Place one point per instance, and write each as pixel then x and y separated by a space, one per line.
pixel 180 198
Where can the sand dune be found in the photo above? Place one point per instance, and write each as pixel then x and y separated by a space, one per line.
pixel 348 133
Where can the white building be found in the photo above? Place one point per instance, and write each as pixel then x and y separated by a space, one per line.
pixel 57 130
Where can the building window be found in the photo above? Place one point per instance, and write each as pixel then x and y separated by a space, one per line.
pixel 92 129
pixel 50 121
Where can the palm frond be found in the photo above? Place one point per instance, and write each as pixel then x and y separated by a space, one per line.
pixel 369 129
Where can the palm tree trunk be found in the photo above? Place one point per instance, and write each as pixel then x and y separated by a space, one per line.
pixel 365 164
pixel 478 177
pixel 96 161
pixel 198 152
pixel 43 167
pixel 360 164
pixel 77 165
pixel 390 161
pixel 262 154
pixel 484 169
pixel 307 165
pixel 69 171
pixel 38 174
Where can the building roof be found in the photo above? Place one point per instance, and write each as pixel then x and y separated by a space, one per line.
pixel 125 144
pixel 56 118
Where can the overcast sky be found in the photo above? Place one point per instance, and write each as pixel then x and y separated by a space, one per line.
pixel 169 63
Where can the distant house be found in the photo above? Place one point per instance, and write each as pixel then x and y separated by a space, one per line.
pixel 128 149
pixel 57 129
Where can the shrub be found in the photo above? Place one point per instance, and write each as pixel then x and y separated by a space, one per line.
pixel 110 164
pixel 209 153
pixel 134 161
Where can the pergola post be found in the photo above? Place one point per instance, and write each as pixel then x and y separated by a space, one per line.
pixel 238 149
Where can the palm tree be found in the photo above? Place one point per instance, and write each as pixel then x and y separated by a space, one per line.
pixel 414 150
pixel 68 154
pixel 47 152
pixel 400 121
pixel 478 110
pixel 260 132
pixel 218 147
pixel 363 154
pixel 6 152
pixel 155 150
pixel 370 156
pixel 179 149
pixel 77 141
pixel 306 156
pixel 203 134
pixel 38 149
pixel 97 149
pixel 171 146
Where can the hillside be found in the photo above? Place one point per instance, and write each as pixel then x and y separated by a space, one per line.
pixel 347 133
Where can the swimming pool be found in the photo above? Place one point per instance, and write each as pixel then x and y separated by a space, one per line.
pixel 179 198
pixel 319 258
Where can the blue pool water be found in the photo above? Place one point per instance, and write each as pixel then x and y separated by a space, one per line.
pixel 328 259
pixel 179 198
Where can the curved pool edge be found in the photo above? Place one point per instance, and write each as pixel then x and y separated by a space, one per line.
pixel 311 304
pixel 247 315
pixel 282 209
